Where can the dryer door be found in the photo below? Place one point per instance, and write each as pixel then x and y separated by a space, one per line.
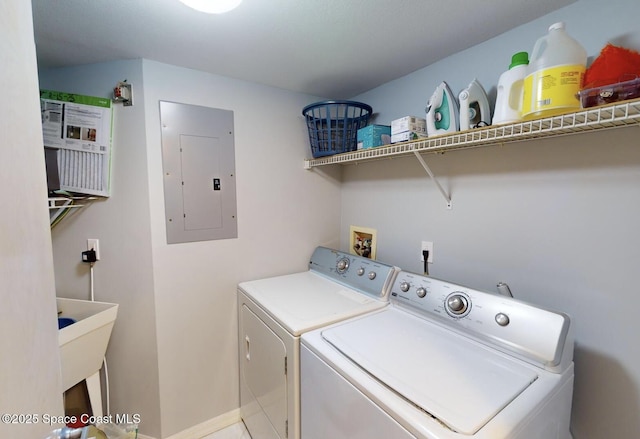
pixel 263 367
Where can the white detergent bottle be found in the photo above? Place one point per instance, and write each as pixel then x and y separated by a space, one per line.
pixel 555 75
pixel 510 87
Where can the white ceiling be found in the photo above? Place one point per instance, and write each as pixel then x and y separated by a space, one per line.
pixel 329 48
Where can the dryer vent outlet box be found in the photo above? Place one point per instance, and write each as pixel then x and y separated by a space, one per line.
pixel 198 158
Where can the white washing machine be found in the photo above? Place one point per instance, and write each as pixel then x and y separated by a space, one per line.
pixel 273 313
pixel 441 362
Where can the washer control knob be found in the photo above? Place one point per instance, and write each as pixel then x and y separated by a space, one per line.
pixel 404 286
pixel 457 304
pixel 360 271
pixel 421 292
pixel 502 319
pixel 342 265
pixel 372 275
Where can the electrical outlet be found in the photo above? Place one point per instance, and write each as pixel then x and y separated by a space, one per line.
pixel 94 244
pixel 427 245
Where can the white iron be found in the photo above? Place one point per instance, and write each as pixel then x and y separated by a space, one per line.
pixel 442 111
pixel 474 107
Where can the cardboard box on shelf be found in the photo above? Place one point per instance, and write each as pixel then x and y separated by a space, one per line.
pixel 374 135
pixel 408 123
pixel 407 135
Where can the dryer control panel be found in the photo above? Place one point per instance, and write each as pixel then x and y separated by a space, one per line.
pixel 533 333
pixel 357 272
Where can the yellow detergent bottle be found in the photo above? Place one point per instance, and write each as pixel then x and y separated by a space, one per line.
pixel 555 75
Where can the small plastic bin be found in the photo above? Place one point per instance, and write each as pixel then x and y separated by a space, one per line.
pixel 333 126
pixel 607 94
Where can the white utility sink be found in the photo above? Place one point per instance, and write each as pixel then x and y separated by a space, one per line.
pixel 84 343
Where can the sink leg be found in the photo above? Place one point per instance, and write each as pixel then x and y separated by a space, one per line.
pixel 95 393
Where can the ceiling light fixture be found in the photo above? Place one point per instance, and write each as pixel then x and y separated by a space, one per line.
pixel 212 6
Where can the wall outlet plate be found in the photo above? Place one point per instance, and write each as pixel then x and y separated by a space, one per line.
pixel 94 244
pixel 427 245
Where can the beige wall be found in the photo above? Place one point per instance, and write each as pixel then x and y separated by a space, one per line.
pixel 30 380
pixel 283 213
pixel 173 352
pixel 121 223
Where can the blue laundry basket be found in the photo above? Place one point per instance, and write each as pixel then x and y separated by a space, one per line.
pixel 333 126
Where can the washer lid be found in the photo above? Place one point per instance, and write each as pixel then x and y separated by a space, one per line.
pixel 304 301
pixel 460 382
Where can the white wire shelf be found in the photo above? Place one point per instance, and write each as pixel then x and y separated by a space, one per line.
pixel 590 119
pixel 59 207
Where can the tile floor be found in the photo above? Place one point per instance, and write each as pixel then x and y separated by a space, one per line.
pixel 235 431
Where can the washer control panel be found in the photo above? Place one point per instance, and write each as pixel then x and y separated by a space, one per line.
pixel 357 272
pixel 513 325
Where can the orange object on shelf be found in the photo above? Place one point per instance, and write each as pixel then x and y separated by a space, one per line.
pixel 614 64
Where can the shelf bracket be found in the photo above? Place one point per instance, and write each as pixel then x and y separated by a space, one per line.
pixel 446 196
pixel 59 207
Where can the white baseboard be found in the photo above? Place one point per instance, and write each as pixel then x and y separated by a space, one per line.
pixel 205 428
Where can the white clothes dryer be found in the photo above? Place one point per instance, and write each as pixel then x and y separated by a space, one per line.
pixel 441 362
pixel 273 313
